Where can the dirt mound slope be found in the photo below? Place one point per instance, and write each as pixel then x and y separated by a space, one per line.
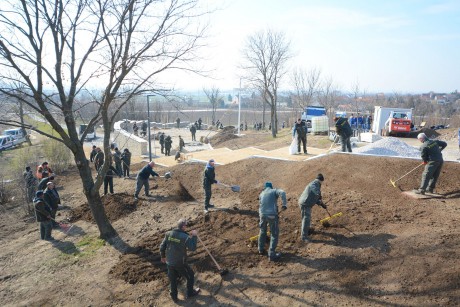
pixel 226 134
pixel 116 206
pixel 365 253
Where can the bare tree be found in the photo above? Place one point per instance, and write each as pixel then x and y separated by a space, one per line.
pixel 306 85
pixel 52 51
pixel 214 97
pixel 328 95
pixel 265 56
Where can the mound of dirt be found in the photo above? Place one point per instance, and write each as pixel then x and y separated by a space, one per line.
pixel 228 133
pixel 429 133
pixel 116 206
pixel 367 241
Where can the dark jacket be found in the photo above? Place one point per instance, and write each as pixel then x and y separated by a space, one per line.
pixel 99 160
pixel 168 142
pixel 146 171
pixel 209 176
pixel 431 150
pixel 174 247
pixel 311 195
pixel 117 156
pixel 300 129
pixel 92 155
pixel 42 184
pixel 342 127
pixel 30 179
pixel 268 204
pixel 193 129
pixel 162 138
pixel 42 210
pixel 126 157
pixel 52 198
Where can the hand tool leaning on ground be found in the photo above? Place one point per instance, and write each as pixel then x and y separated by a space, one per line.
pixel 333 143
pixel 325 222
pixel 235 188
pixel 64 226
pixel 394 182
pixel 222 272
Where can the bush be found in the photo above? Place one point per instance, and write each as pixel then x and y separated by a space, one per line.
pixel 57 154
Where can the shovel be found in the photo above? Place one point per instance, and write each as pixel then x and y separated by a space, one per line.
pixel 235 188
pixel 325 221
pixel 222 272
pixel 167 175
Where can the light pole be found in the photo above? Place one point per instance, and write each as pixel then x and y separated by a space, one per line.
pixel 148 127
pixel 239 108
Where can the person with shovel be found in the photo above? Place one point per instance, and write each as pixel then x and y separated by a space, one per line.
pixel 209 178
pixel 173 251
pixel 432 159
pixel 142 179
pixel 268 214
pixel 310 196
pixel 52 198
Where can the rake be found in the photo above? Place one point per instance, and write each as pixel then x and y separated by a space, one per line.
pixel 394 182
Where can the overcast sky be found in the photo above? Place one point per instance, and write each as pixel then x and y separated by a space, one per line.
pixel 384 46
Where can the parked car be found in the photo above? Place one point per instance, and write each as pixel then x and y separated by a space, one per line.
pixel 6 142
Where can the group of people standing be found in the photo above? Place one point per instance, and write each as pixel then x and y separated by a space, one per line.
pixel 41 190
pixel 122 162
pixel 360 122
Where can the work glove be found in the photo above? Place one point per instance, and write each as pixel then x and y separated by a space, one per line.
pixel 424 162
pixel 217 181
pixel 283 208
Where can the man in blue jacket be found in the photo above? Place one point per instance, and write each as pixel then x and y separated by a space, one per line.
pixel 142 179
pixel 310 196
pixel 268 214
pixel 173 251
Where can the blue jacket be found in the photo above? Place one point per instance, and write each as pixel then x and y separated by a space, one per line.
pixel 268 201
pixel 146 171
pixel 174 247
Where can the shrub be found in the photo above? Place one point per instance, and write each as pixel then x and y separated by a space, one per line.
pixel 57 154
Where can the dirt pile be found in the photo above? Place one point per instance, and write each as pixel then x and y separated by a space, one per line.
pixel 226 134
pixel 359 247
pixel 116 206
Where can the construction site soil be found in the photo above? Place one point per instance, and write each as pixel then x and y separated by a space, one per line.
pixel 387 248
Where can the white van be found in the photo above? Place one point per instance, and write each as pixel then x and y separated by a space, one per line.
pixel 18 134
pixel 6 142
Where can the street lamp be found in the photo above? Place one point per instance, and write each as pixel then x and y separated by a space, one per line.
pixel 239 107
pixel 148 127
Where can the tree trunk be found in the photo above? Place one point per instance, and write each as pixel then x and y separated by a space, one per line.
pixel 91 191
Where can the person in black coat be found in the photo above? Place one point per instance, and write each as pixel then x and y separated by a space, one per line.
pixel 209 178
pixel 126 158
pixel 43 216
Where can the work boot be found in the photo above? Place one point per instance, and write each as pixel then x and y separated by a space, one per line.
pixel 276 257
pixel 419 192
pixel 211 206
pixel 431 191
pixel 194 293
pixel 262 252
pixel 305 240
pixel 174 297
pixel 136 197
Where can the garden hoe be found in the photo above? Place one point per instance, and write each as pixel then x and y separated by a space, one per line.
pixel 222 272
pixel 394 182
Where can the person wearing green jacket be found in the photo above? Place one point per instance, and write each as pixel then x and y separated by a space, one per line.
pixel 310 196
pixel 432 159
pixel 173 252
